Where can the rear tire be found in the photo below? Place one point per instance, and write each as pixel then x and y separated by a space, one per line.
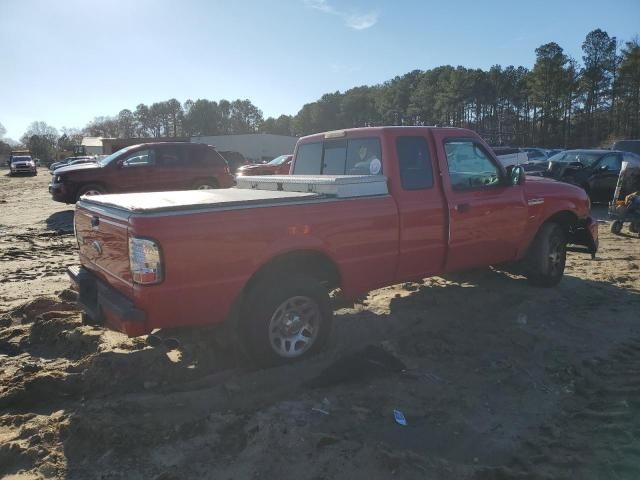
pixel 90 190
pixel 547 256
pixel 286 319
pixel 616 227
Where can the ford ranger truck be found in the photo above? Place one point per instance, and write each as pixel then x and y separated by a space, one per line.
pixel 364 208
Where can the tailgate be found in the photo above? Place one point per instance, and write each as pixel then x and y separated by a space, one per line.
pixel 103 244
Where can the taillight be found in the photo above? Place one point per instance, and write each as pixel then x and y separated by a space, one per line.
pixel 145 261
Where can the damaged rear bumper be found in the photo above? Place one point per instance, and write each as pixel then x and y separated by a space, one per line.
pixel 106 305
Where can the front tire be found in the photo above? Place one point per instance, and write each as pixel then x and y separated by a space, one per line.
pixel 286 320
pixel 90 190
pixel 547 256
pixel 616 227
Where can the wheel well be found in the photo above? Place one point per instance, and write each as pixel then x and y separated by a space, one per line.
pixel 566 219
pixel 316 264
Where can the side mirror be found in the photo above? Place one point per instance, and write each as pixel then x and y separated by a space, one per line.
pixel 515 175
pixel 604 168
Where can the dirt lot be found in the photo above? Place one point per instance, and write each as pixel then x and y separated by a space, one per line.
pixel 497 380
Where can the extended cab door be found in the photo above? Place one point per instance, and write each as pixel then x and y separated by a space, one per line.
pixel 421 205
pixel 487 216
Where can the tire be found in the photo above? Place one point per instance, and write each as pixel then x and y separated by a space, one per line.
pixel 266 318
pixel 205 184
pixel 616 227
pixel 90 189
pixel 547 256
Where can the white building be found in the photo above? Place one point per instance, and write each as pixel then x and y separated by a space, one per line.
pixel 93 145
pixel 257 147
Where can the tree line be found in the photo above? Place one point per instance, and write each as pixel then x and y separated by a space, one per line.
pixel 559 102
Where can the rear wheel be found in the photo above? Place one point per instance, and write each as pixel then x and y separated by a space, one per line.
pixel 206 184
pixel 616 227
pixel 90 190
pixel 287 320
pixel 547 256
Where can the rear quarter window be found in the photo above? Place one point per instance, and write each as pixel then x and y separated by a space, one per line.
pixel 356 156
pixel 416 171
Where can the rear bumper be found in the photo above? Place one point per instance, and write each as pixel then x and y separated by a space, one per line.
pixel 106 305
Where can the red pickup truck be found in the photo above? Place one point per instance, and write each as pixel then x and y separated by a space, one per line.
pixel 364 208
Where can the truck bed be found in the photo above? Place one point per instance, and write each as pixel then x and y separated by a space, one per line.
pixel 156 202
pixel 251 191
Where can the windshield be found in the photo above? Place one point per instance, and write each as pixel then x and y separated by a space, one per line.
pixel 106 160
pixel 278 160
pixel 585 158
pixel 21 159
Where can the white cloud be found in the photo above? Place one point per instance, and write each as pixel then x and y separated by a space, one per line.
pixel 354 20
pixel 362 22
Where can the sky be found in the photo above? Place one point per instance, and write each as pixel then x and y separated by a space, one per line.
pixel 67 61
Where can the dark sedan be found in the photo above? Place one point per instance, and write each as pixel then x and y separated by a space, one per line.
pixel 594 170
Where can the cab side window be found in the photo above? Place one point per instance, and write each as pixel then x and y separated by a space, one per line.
pixel 140 158
pixel 610 163
pixel 470 167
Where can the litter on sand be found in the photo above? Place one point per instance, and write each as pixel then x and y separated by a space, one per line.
pixel 399 417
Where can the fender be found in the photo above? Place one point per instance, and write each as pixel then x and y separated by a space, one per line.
pixel 540 213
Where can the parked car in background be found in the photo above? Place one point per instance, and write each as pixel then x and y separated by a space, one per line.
pixel 66 161
pixel 596 171
pixel 148 167
pixel 535 154
pixel 632 146
pixel 278 166
pixel 235 160
pixel 22 164
pixel 510 156
pixel 81 161
pixel 264 257
pixel 553 151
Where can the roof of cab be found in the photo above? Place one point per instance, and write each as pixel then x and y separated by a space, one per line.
pixel 363 131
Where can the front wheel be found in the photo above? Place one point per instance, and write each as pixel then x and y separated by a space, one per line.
pixel 90 190
pixel 287 320
pixel 616 227
pixel 547 256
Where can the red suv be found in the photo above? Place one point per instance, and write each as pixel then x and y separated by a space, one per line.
pixel 278 166
pixel 148 167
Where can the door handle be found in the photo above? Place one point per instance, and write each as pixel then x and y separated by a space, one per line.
pixel 463 207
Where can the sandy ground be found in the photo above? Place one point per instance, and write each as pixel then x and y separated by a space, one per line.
pixel 497 380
